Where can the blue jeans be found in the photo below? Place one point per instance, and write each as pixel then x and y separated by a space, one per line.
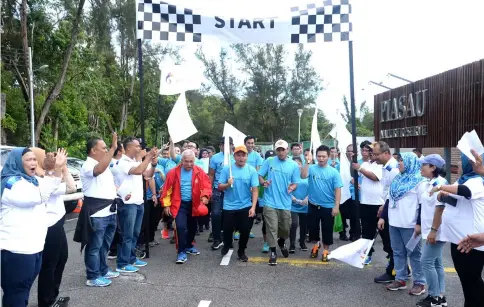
pixel 19 272
pixel 433 267
pixel 130 219
pixel 217 204
pixel 399 238
pixel 97 249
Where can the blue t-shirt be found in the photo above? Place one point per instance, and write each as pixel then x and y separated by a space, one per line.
pixel 254 159
pixel 281 174
pixel 167 163
pixel 186 184
pixel 217 164
pixel 330 162
pixel 240 195
pixel 300 193
pixel 322 183
pixel 158 183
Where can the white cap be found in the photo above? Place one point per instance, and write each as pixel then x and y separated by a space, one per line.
pixel 281 144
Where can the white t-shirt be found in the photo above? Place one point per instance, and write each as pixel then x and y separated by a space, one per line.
pixel 55 205
pixel 389 172
pixel 403 212
pixel 101 186
pixel 467 217
pixel 113 166
pixel 371 192
pixel 428 204
pixel 130 184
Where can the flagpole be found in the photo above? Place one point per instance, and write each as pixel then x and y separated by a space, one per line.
pixel 353 117
pixel 143 142
pixel 158 109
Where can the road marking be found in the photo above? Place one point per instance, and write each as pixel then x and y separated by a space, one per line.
pixel 204 303
pixel 226 258
pixel 303 262
pixel 74 219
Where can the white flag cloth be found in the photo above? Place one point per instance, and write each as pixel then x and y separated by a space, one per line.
pixel 315 139
pixel 248 21
pixel 180 125
pixel 470 140
pixel 353 253
pixel 237 137
pixel 344 138
pixel 176 79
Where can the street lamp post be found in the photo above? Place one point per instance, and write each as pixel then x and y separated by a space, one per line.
pixel 299 113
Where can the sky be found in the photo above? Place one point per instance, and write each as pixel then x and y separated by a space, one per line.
pixel 413 39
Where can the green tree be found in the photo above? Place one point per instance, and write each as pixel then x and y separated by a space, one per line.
pixel 364 118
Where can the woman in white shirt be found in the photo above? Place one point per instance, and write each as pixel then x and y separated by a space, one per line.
pixel 54 256
pixel 464 216
pixel 24 221
pixel 402 217
pixel 431 260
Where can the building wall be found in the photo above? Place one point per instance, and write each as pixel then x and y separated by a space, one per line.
pixel 455 158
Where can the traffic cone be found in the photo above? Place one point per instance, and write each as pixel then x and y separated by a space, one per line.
pixel 78 207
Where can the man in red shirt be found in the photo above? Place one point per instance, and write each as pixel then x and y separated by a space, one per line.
pixel 186 192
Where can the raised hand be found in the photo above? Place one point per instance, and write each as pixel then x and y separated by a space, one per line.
pixel 114 140
pixel 60 158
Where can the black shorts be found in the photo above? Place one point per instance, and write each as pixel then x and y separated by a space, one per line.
pixel 317 216
pixel 258 208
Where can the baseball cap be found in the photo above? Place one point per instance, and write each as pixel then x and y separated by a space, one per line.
pixel 269 153
pixel 240 148
pixel 222 140
pixel 433 159
pixel 281 144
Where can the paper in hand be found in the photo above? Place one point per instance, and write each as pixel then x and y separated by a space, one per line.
pixel 412 243
pixel 470 140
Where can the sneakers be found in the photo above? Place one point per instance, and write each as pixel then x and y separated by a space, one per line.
pixel 139 253
pixel 210 238
pixel 153 243
pixel 315 250
pixel 324 257
pixel 192 251
pixel 165 234
pixel 236 235
pixel 98 282
pixel 62 302
pixel 111 274
pixel 265 248
pixel 140 263
pixel 292 249
pixel 251 235
pixel 127 269
pixel 181 258
pixel 216 245
pixel 303 246
pixel 273 259
pixel 172 241
pixel 384 279
pixel 367 260
pixel 112 255
pixel 429 301
pixel 443 301
pixel 343 237
pixel 417 289
pixel 225 250
pixel 397 285
pixel 242 256
pixel 283 248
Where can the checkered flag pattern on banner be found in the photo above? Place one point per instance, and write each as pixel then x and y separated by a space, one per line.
pixel 166 22
pixel 322 21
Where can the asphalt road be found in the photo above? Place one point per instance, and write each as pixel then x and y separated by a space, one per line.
pixel 203 281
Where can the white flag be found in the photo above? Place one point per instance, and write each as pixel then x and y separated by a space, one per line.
pixel 315 139
pixel 176 79
pixel 353 253
pixel 237 137
pixel 180 125
pixel 344 138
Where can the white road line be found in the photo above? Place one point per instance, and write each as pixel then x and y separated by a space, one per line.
pixel 74 219
pixel 204 303
pixel 226 258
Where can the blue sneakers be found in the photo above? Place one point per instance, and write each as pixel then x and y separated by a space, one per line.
pixel 139 263
pixel 192 251
pixel 98 282
pixel 251 235
pixel 181 258
pixel 236 235
pixel 127 269
pixel 265 248
pixel 367 260
pixel 111 274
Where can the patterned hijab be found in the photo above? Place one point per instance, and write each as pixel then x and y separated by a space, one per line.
pixel 467 171
pixel 14 167
pixel 409 179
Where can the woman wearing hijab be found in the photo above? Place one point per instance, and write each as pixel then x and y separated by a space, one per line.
pixel 431 218
pixel 54 256
pixel 463 216
pixel 403 217
pixel 24 220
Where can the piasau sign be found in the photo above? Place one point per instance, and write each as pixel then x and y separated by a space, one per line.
pixel 400 108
